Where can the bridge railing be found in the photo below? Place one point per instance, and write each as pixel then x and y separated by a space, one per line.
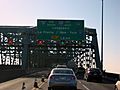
pixel 10 67
pixel 111 76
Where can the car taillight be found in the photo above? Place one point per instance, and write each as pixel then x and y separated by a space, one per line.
pixel 51 77
pixel 73 77
pixel 88 71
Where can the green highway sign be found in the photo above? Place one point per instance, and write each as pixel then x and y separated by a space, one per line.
pixel 60 29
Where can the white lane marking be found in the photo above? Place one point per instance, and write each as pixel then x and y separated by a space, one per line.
pixel 84 86
pixel 41 84
pixel 79 81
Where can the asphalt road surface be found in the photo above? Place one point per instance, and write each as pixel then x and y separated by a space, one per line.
pixel 17 84
pixel 83 85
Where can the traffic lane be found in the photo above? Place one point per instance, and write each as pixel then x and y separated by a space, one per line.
pixel 17 84
pixel 44 86
pixel 39 74
pixel 96 86
pixel 83 85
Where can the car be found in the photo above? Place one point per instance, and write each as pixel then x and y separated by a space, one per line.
pixel 117 85
pixel 93 74
pixel 62 77
pixel 61 66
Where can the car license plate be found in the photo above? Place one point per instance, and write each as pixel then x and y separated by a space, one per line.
pixel 63 78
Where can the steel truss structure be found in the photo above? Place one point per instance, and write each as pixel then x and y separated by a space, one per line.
pixel 18 46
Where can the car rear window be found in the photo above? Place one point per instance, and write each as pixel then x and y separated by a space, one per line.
pixel 95 70
pixel 63 71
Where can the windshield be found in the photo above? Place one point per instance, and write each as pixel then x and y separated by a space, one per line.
pixel 63 71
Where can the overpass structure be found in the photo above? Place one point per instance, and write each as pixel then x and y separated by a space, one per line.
pixel 50 42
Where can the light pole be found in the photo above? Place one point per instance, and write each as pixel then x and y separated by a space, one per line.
pixel 102 38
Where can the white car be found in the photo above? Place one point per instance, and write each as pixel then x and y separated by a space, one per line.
pixel 61 66
pixel 62 77
pixel 117 85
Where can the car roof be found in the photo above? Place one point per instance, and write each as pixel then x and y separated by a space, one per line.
pixel 61 66
pixel 94 69
pixel 62 69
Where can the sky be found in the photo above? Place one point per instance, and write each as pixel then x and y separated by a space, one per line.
pixel 26 13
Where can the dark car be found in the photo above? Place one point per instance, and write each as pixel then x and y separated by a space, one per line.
pixel 80 71
pixel 93 74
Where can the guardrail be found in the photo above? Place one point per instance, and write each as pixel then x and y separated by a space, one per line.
pixel 10 74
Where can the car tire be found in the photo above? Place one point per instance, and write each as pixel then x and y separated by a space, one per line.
pixel 49 88
pixel 75 88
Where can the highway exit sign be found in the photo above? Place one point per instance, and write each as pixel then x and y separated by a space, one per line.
pixel 60 29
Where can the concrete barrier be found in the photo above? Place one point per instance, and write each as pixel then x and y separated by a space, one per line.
pixel 6 75
pixel 111 76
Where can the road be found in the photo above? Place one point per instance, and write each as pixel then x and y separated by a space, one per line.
pixel 83 85
pixel 16 84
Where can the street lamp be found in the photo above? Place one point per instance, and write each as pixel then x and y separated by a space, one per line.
pixel 102 38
